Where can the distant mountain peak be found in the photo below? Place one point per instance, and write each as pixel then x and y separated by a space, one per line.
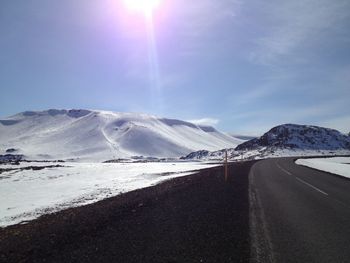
pixel 295 136
pixel 284 140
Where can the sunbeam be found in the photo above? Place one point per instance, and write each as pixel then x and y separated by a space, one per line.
pixel 147 9
pixel 154 73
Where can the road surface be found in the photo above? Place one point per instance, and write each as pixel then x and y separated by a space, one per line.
pixel 298 214
pixel 281 212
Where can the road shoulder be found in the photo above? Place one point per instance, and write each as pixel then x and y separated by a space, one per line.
pixel 197 218
pixel 261 246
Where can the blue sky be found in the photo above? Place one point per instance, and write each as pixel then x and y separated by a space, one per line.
pixel 243 66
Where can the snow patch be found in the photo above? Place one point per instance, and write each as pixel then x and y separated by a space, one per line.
pixel 334 165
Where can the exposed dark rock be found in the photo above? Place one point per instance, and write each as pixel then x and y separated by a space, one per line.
pixel 196 155
pixel 11 150
pixel 10 158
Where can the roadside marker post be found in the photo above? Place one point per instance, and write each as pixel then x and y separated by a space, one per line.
pixel 226 166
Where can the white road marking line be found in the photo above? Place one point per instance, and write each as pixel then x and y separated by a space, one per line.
pixel 310 185
pixel 284 170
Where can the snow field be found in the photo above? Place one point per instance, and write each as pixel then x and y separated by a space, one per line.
pixel 28 194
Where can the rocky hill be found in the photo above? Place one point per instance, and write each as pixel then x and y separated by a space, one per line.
pixel 303 137
pixel 284 140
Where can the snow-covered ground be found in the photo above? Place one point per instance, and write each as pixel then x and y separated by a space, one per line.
pixel 27 194
pixel 335 165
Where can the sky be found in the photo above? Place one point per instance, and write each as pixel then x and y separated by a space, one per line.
pixel 242 66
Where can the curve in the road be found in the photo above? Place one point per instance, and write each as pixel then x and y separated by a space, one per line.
pixel 298 214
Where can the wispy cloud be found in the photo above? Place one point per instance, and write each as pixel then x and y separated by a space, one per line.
pixel 296 25
pixel 301 46
pixel 205 121
pixel 201 15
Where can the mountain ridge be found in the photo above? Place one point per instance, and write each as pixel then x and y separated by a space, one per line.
pixel 284 140
pixel 102 135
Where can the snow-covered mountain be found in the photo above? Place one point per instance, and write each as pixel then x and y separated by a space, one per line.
pixel 103 135
pixel 284 140
pixel 304 137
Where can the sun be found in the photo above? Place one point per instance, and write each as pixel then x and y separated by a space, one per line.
pixel 144 6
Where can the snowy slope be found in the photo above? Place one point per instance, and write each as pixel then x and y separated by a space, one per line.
pixel 103 135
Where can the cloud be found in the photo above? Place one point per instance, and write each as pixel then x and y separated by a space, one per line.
pixel 200 15
pixel 205 121
pixel 299 24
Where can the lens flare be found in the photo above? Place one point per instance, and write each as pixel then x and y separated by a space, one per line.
pixel 147 9
pixel 145 6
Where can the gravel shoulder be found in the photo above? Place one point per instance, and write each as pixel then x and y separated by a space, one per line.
pixel 197 218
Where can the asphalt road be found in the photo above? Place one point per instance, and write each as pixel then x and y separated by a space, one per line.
pixel 281 212
pixel 298 214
